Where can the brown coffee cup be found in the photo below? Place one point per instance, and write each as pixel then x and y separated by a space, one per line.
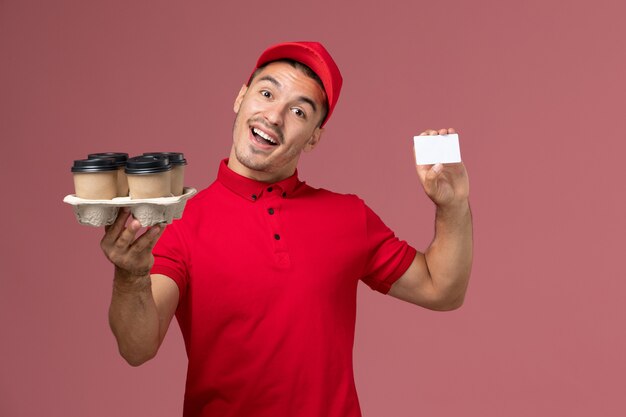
pixel 120 160
pixel 95 179
pixel 149 177
pixel 178 162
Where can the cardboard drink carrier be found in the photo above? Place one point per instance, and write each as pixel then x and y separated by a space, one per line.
pixel 149 196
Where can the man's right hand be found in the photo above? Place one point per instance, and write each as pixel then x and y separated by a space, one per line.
pixel 142 305
pixel 131 256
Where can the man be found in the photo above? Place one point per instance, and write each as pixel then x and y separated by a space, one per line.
pixel 262 270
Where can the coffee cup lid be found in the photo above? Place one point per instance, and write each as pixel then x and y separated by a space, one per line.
pixel 176 158
pixel 147 165
pixel 94 165
pixel 120 157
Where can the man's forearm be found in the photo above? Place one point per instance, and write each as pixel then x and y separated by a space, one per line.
pixel 133 317
pixel 449 256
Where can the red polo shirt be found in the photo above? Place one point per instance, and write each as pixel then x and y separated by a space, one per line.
pixel 268 275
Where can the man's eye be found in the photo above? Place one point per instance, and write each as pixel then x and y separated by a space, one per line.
pixel 298 112
pixel 266 94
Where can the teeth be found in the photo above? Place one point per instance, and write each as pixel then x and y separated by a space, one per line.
pixel 263 135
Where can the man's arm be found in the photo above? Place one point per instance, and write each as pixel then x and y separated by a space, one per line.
pixel 438 278
pixel 142 306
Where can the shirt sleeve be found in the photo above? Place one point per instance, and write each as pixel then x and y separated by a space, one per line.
pixel 171 257
pixel 388 256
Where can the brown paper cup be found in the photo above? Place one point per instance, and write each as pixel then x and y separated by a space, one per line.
pixel 150 185
pixel 122 183
pixel 96 185
pixel 177 161
pixel 178 179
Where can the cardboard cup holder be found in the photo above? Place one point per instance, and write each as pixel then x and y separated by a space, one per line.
pixel 149 211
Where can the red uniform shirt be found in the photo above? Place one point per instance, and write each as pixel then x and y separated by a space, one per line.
pixel 268 280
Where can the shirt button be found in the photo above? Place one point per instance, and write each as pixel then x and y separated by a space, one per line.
pixel 270 189
pixel 270 210
pixel 284 194
pixel 254 197
pixel 277 236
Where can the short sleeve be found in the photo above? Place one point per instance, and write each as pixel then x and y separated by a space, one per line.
pixel 388 256
pixel 170 257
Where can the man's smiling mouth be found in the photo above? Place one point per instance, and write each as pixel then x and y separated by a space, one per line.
pixel 263 137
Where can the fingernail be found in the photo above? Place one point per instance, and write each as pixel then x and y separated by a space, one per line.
pixel 437 168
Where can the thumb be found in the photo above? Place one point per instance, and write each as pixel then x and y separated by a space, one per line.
pixel 430 179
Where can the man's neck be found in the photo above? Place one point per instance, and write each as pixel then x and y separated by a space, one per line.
pixel 261 176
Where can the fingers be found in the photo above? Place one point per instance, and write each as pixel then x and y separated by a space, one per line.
pixel 433 132
pixel 428 175
pixel 119 237
pixel 422 170
pixel 126 238
pixel 430 179
pixel 147 241
pixel 129 253
pixel 113 231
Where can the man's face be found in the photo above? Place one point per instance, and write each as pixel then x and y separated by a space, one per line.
pixel 278 117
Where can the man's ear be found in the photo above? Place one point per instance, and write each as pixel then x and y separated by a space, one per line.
pixel 314 139
pixel 239 99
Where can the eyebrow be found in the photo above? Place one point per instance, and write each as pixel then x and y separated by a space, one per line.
pixel 279 85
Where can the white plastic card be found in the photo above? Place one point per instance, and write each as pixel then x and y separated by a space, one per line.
pixel 437 149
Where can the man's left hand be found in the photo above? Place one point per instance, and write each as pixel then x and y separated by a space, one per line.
pixel 447 185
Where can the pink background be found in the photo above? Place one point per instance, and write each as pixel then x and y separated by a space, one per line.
pixel 535 88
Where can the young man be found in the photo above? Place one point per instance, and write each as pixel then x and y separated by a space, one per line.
pixel 262 270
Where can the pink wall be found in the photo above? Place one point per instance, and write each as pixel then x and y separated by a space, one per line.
pixel 536 89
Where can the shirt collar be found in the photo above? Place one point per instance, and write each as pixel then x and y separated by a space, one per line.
pixel 252 189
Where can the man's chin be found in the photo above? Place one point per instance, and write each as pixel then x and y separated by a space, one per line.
pixel 252 163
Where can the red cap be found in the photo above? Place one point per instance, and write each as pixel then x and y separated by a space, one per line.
pixel 314 56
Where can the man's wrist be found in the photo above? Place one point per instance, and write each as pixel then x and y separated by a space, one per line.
pixel 126 281
pixel 455 210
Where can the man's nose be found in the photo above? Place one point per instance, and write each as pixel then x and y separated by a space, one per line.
pixel 274 114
